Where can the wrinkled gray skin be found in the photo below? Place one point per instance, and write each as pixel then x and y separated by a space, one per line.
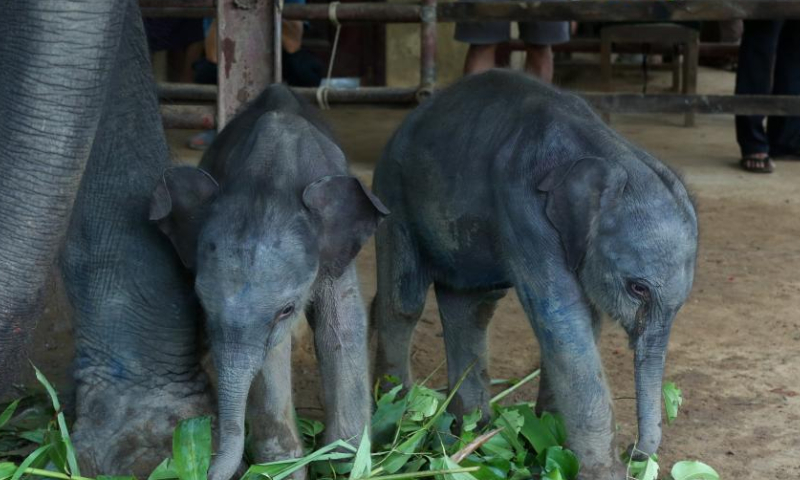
pixel 500 182
pixel 82 148
pixel 270 224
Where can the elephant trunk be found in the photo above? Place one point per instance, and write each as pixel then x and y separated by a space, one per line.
pixel 650 354
pixel 236 368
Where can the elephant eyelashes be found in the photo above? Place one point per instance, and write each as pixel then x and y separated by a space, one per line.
pixel 285 312
pixel 639 290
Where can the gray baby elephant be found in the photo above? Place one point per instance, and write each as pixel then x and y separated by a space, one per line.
pixel 270 224
pixel 501 181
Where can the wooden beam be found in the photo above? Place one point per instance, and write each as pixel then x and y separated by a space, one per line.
pixel 673 103
pixel 619 10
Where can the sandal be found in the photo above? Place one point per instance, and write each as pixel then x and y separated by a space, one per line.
pixel 757 164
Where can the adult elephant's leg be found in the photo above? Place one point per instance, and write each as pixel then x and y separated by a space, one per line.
pixel 137 367
pixel 56 58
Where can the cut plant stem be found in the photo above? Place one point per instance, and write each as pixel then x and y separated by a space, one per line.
pixel 512 388
pixel 429 473
pixel 474 445
pixel 47 473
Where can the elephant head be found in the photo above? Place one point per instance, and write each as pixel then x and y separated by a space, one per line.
pixel 631 238
pixel 257 252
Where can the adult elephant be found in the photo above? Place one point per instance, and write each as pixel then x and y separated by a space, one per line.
pixel 82 147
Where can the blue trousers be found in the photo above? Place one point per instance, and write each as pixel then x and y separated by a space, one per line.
pixel 769 63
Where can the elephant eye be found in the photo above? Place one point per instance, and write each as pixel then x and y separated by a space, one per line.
pixel 639 290
pixel 286 311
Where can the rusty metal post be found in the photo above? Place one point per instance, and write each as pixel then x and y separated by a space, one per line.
pixel 427 70
pixel 245 53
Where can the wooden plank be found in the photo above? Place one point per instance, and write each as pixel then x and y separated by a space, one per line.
pixel 708 104
pixel 619 10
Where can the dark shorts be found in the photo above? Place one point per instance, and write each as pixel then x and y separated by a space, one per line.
pixel 534 33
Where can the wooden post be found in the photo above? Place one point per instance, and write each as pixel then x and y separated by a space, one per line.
pixel 690 59
pixel 245 46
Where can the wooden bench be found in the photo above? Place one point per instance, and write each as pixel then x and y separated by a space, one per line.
pixel 684 41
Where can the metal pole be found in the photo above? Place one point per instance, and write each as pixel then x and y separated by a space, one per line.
pixel 245 53
pixel 427 72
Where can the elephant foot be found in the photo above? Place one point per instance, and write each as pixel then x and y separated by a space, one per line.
pixel 130 433
pixel 616 471
pixel 278 448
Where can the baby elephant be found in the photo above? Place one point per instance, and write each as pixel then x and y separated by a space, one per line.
pixel 269 225
pixel 501 181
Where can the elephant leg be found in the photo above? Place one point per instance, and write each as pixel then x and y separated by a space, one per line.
pixel 270 410
pixel 465 319
pixel 57 57
pixel 339 322
pixel 398 303
pixel 545 401
pixel 562 321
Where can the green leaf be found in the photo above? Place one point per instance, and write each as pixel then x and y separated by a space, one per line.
pixel 402 453
pixel 8 412
pixel 191 448
pixel 34 436
pixel 362 465
pixel 673 398
pixel 693 470
pixel 164 471
pixel 58 452
pixel 29 460
pixel 310 428
pixel 387 416
pixel 444 463
pixel 7 469
pixel 115 477
pixel 422 403
pixel 499 447
pixel 72 459
pixel 555 424
pixel 470 420
pixel 511 422
pixel 554 474
pixel 559 458
pixel 538 434
pixel 650 471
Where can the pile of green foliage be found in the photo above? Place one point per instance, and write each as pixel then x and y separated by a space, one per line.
pixel 412 437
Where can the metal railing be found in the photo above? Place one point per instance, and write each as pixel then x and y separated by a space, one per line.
pixel 247 66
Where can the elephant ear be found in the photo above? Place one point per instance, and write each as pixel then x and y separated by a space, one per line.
pixel 179 205
pixel 347 214
pixel 577 194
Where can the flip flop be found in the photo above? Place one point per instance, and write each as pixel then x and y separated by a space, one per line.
pixel 756 164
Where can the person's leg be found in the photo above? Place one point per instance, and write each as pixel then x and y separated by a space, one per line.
pixel 480 58
pixel 784 132
pixel 753 77
pixel 539 61
pixel 483 38
pixel 538 38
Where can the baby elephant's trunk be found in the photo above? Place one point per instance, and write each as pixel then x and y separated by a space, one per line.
pixel 650 355
pixel 236 367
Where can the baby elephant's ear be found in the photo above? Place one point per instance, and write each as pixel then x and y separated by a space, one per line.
pixel 577 194
pixel 178 205
pixel 348 214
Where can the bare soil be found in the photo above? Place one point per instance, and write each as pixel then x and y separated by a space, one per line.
pixel 734 350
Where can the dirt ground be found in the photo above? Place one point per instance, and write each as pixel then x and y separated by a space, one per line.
pixel 735 345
